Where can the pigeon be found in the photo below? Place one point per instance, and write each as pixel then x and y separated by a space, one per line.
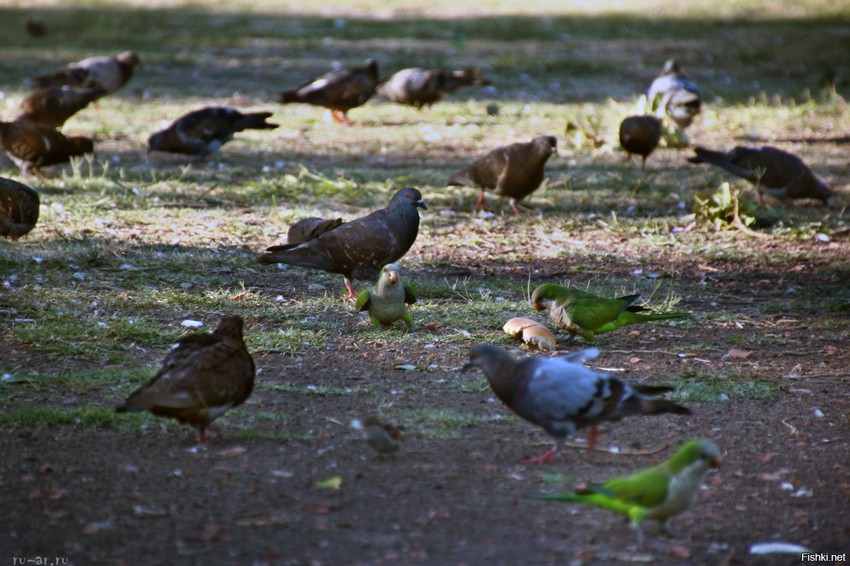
pixel 359 248
pixel 308 228
pixel 339 91
pixel 202 377
pixel 640 135
pixel 387 301
pixel 783 174
pixel 674 95
pixel 383 437
pixel 107 73
pixel 660 492
pixel 35 27
pixel 203 132
pixel 678 97
pixel 513 171
pixel 18 209
pixel 423 87
pixel 561 395
pixel 52 106
pixel 33 146
pixel 585 314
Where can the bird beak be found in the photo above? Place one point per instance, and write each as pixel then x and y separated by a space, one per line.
pixel 393 277
pixel 715 463
pixel 538 306
pixel 420 204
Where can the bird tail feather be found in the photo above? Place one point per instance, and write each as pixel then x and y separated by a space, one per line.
pixel 295 254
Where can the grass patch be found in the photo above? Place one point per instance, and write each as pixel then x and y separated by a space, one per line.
pixel 81 417
pixel 698 387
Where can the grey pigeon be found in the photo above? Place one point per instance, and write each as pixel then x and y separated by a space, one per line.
pixel 53 106
pixel 561 395
pixel 513 171
pixel 423 87
pixel 339 91
pixel 359 248
pixel 679 97
pixel 640 135
pixel 202 377
pixel 308 228
pixel 18 209
pixel 107 73
pixel 783 174
pixel 33 146
pixel 204 131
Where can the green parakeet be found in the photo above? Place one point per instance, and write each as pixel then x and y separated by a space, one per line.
pixel 583 313
pixel 387 301
pixel 659 493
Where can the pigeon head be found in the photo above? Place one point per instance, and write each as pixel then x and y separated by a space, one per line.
pixel 822 191
pixel 129 58
pixel 671 67
pixel 81 144
pixel 488 358
pixel 406 199
pixel 157 141
pixel 548 145
pixel 231 326
pixel 372 68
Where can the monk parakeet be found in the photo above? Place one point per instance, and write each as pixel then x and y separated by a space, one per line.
pixel 387 301
pixel 583 313
pixel 659 493
pixel 561 395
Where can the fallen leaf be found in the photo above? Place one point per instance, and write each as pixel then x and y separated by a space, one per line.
pixel 739 354
pixel 333 482
pixel 232 452
pixel 679 552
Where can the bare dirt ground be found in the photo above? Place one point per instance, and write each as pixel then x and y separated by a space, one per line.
pixel 155 497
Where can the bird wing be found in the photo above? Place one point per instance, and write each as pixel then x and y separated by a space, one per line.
pixel 201 371
pixel 647 488
pixel 561 395
pixel 364 299
pixel 592 312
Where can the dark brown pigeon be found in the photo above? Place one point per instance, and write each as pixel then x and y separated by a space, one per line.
pixel 561 395
pixel 339 91
pixel 640 135
pixel 35 28
pixel 202 377
pixel 204 131
pixel 513 171
pixel 359 248
pixel 18 209
pixel 52 106
pixel 33 146
pixel 679 97
pixel 107 73
pixel 423 87
pixel 783 174
pixel 307 229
